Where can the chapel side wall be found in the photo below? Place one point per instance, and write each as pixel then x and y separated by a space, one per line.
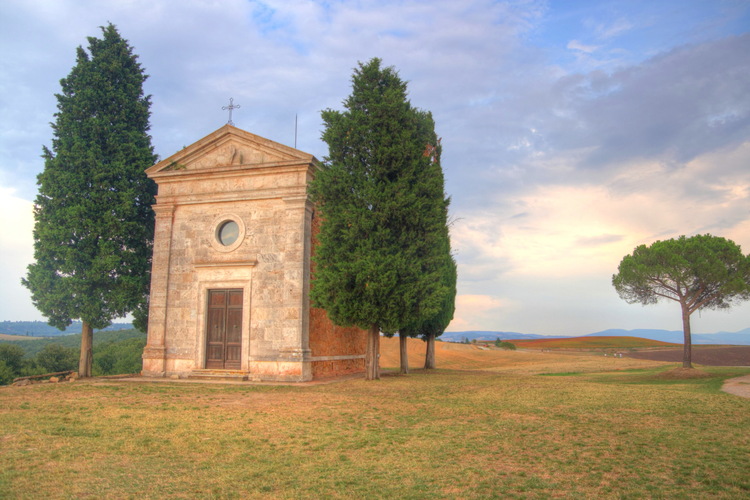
pixel 335 350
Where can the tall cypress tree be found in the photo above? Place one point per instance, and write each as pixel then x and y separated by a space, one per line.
pixel 439 259
pixel 93 231
pixel 380 201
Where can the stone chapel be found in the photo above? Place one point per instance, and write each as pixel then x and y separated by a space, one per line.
pixel 235 230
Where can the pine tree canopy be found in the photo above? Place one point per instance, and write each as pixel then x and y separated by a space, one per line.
pixel 698 272
pixel 93 230
pixel 382 202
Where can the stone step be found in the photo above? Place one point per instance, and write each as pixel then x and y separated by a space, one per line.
pixel 208 374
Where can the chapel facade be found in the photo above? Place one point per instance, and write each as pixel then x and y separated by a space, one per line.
pixel 231 273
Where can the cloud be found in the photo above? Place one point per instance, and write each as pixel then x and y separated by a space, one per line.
pixel 613 29
pixel 475 311
pixel 576 45
pixel 673 107
pixel 16 247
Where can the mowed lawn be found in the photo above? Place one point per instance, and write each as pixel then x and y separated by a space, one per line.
pixel 488 424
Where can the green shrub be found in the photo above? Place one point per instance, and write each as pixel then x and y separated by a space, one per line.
pixel 118 358
pixel 12 355
pixel 509 346
pixel 56 358
pixel 6 374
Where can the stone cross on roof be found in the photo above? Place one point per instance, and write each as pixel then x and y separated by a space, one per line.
pixel 230 108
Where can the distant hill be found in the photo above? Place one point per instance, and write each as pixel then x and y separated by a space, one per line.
pixel 32 346
pixel 42 329
pixel 613 342
pixel 487 335
pixel 675 337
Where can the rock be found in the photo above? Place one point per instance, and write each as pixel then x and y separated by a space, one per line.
pixel 22 382
pixel 54 380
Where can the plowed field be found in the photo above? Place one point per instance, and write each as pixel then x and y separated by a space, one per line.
pixel 702 355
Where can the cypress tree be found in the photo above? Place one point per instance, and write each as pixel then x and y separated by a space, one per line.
pixel 431 327
pixel 439 259
pixel 380 200
pixel 93 231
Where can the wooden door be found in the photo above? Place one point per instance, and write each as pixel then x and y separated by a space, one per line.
pixel 224 329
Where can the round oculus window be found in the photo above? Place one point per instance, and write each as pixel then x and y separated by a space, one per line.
pixel 228 233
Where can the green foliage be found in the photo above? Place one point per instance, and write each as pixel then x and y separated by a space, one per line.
pixel 433 326
pixel 6 373
pixel 12 356
pixel 56 358
pixel 14 363
pixel 33 346
pixel 115 352
pixel 120 357
pixel 701 272
pixel 383 207
pixel 508 346
pixel 93 233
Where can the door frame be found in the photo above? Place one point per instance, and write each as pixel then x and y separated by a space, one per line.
pixel 227 307
pixel 238 276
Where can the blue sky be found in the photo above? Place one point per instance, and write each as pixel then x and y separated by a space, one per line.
pixel 572 131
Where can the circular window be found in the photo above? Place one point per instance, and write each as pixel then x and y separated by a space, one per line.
pixel 228 233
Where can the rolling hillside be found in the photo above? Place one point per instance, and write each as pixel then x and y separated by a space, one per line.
pixel 741 337
pixel 454 356
pixel 607 343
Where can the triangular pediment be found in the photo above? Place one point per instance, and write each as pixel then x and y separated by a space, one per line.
pixel 226 148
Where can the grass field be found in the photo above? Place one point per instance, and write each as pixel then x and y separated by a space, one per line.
pixel 488 424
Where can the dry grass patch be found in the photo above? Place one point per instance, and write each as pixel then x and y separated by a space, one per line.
pixel 441 434
pixel 681 373
pixel 455 356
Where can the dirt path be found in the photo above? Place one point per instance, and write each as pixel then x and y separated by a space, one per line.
pixel 739 386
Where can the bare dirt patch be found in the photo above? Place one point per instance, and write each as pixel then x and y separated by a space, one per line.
pixel 702 355
pixel 739 386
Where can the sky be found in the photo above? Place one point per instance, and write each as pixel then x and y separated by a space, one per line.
pixel 572 131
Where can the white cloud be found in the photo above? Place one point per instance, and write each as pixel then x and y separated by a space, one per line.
pixel 17 249
pixel 576 45
pixel 614 28
pixel 475 311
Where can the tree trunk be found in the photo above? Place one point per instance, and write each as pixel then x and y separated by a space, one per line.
pixel 429 357
pixel 687 354
pixel 372 357
pixel 87 354
pixel 404 355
